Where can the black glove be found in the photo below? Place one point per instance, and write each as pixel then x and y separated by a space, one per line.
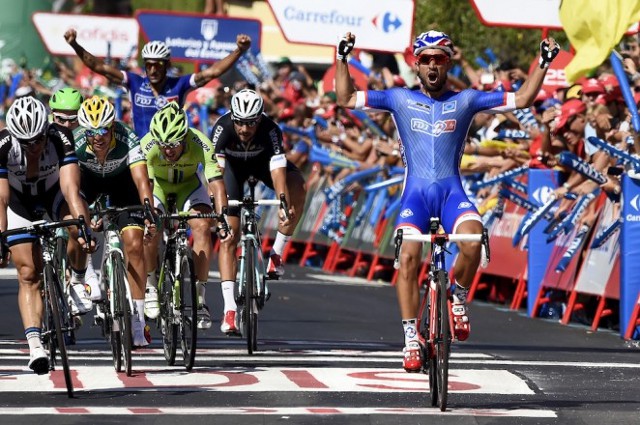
pixel 547 55
pixel 344 48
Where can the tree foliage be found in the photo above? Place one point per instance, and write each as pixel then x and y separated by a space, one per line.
pixel 458 19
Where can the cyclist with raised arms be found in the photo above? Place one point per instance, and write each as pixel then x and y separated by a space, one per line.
pixel 152 92
pixel 432 123
pixel 38 170
pixel 249 143
pixel 174 151
pixel 113 165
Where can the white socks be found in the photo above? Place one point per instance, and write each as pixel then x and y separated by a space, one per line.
pixel 279 243
pixel 410 331
pixel 228 294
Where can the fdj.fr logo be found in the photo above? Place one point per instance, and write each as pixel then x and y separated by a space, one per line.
pixel 435 129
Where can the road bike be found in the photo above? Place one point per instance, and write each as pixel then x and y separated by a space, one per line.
pixel 116 310
pixel 58 324
pixel 177 290
pixel 434 317
pixel 252 291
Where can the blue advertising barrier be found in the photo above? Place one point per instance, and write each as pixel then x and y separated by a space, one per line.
pixel 196 37
pixel 541 184
pixel 630 246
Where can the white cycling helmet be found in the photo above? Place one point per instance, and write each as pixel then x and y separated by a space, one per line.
pixel 246 105
pixel 433 40
pixel 27 119
pixel 156 50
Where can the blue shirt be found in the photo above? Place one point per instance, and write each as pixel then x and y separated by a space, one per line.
pixel 144 103
pixel 433 131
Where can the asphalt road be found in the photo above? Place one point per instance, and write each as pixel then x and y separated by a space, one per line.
pixel 329 352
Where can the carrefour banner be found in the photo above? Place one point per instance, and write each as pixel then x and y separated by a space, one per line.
pixel 195 37
pixel 630 247
pixel 378 24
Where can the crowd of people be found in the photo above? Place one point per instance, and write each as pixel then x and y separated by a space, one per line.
pixel 88 145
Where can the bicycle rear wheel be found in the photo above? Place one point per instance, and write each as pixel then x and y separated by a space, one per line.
pixel 443 345
pixel 249 314
pixel 123 314
pixel 167 317
pixel 54 324
pixel 188 311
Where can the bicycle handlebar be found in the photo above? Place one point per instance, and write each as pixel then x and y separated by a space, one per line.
pixel 186 215
pixel 41 227
pixel 254 203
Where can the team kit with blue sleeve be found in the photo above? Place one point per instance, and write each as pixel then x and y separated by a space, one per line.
pixel 144 103
pixel 432 137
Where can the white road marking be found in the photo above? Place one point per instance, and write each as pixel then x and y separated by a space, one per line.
pixel 285 412
pixel 262 379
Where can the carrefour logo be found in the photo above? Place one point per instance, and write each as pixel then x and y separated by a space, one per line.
pixel 387 22
pixel 634 204
pixel 542 194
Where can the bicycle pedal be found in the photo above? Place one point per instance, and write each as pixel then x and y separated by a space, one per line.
pixel 273 276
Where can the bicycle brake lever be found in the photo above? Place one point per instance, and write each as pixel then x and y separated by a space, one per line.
pixel 284 206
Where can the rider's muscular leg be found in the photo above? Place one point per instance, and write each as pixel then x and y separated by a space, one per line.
pixel 75 253
pixel 227 260
pixel 297 196
pixel 469 259
pixel 24 257
pixel 150 251
pixel 201 231
pixel 137 275
pixel 407 288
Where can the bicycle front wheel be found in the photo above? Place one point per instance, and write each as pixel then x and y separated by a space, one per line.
pixel 432 328
pixel 123 314
pixel 443 345
pixel 188 311
pixel 167 315
pixel 249 312
pixel 54 325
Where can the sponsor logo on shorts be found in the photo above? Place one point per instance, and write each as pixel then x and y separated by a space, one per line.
pixel 406 213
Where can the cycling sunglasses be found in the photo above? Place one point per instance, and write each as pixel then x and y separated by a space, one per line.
pixel 96 132
pixel 425 59
pixel 63 118
pixel 169 144
pixel 32 141
pixel 240 123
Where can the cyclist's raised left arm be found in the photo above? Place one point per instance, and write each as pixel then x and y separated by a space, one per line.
pixel 345 91
pixel 217 69
pixel 530 88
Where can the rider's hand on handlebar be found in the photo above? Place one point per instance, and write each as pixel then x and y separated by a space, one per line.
pixel 284 219
pixel 96 225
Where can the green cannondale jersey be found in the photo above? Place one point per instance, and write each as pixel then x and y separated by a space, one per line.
pixel 124 152
pixel 198 149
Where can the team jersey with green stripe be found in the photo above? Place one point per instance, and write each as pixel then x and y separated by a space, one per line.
pixel 198 149
pixel 124 152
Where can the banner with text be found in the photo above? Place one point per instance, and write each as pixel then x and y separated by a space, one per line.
pixel 195 37
pixel 101 35
pixel 380 25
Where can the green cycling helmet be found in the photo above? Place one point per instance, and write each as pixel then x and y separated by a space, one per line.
pixel 66 99
pixel 169 125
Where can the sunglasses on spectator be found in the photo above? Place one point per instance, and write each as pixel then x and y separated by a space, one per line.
pixel 63 118
pixel 96 132
pixel 426 59
pixel 240 123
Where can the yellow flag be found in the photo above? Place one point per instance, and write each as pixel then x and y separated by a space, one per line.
pixel 594 27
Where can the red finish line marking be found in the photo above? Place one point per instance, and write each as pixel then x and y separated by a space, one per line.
pixel 303 379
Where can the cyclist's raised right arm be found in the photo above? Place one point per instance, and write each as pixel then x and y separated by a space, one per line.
pixel 94 63
pixel 345 91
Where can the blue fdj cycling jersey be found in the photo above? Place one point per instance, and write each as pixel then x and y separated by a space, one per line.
pixel 432 136
pixel 145 103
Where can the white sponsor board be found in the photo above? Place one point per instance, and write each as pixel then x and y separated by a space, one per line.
pixel 377 24
pixel 95 33
pixel 524 13
pixel 598 265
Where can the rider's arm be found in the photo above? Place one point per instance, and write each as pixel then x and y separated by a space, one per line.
pixel 223 65
pixel 5 190
pixel 530 88
pixel 345 91
pixel 4 202
pixel 94 63
pixel 278 163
